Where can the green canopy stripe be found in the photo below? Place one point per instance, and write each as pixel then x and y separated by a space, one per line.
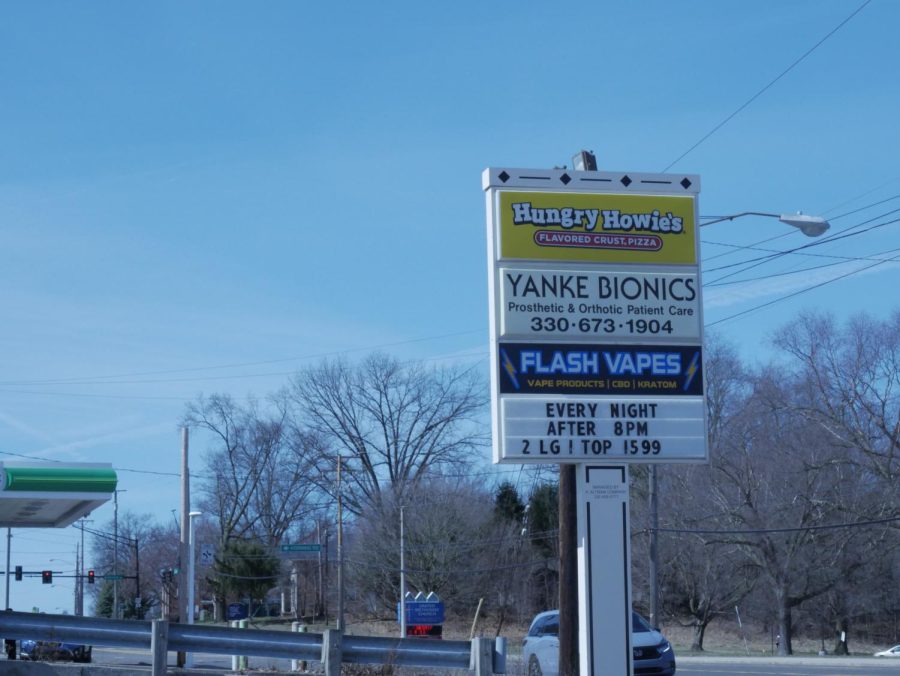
pixel 61 480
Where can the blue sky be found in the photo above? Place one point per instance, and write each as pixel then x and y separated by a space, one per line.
pixel 206 196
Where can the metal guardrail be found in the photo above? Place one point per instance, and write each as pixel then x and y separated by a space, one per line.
pixel 482 656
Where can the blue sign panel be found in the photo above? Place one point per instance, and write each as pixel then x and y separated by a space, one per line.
pixel 590 369
pixel 423 612
pixel 237 611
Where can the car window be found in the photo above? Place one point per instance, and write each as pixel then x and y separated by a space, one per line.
pixel 638 624
pixel 551 628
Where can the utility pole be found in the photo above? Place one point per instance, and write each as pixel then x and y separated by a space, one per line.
pixel 568 533
pixel 8 547
pixel 81 579
pixel 77 601
pixel 138 601
pixel 115 555
pixel 654 552
pixel 340 549
pixel 568 572
pixel 185 535
pixel 402 579
pixel 320 603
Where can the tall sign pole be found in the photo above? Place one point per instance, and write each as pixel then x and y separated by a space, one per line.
pixel 596 335
pixel 8 549
pixel 185 538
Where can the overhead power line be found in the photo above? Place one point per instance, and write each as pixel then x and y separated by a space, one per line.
pixel 764 89
pixel 797 293
pixel 761 531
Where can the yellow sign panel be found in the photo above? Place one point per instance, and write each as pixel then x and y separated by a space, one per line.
pixel 595 227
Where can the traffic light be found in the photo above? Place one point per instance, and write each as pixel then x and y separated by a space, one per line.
pixel 18 573
pixel 47 576
pixel 90 577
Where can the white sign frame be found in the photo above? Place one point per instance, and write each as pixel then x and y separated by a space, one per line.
pixel 509 330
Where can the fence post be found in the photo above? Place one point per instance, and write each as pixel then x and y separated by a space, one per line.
pixel 159 646
pixel 500 655
pixel 298 665
pixel 332 654
pixel 482 660
pixel 235 659
pixel 245 661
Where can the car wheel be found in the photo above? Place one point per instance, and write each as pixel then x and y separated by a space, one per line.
pixel 534 667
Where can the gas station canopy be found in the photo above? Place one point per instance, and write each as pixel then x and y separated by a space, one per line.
pixel 52 495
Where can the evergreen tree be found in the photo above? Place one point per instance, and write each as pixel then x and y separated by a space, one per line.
pixel 507 503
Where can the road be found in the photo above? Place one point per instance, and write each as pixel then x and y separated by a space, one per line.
pixel 796 666
pixel 687 666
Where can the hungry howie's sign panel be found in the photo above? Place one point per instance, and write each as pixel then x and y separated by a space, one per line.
pixel 597 227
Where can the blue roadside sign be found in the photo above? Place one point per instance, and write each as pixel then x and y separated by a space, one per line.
pixel 237 611
pixel 423 612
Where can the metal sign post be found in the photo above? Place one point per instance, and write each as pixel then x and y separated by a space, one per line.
pixel 604 563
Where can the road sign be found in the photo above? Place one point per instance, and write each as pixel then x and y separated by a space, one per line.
pixel 113 577
pixel 236 611
pixel 596 317
pixel 423 612
pixel 299 551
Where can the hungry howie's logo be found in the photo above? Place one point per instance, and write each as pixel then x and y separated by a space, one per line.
pixel 597 228
pixel 608 227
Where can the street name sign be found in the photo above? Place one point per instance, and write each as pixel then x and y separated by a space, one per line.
pixel 596 322
pixel 299 551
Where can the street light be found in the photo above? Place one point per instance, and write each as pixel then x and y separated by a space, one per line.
pixel 811 226
pixel 189 658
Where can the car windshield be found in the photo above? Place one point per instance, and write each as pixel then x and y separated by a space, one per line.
pixel 638 624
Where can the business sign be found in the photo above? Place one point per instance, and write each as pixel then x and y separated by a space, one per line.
pixel 599 305
pixel 596 317
pixel 237 611
pixel 422 612
pixel 567 429
pixel 589 369
pixel 592 227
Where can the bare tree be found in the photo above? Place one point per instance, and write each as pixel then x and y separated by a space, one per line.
pixel 455 547
pixel 776 481
pixel 393 423
pixel 850 377
pixel 145 548
pixel 258 481
pixel 701 576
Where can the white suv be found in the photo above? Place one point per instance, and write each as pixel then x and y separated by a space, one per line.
pixel 652 654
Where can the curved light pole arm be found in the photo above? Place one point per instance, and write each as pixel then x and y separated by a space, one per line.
pixel 811 226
